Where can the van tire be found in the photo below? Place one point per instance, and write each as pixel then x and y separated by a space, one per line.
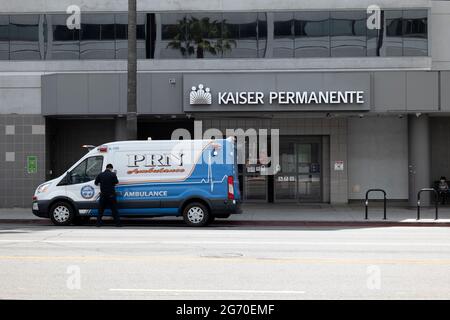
pixel 196 214
pixel 62 213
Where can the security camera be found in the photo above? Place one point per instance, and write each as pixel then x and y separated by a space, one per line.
pixel 418 114
pixel 360 115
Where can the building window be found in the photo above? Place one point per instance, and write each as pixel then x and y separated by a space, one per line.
pixel 262 34
pixel 121 37
pixel 393 44
pixel 24 37
pixel 216 35
pixel 171 43
pixel 348 34
pixel 204 36
pixel 415 33
pixel 312 34
pixel 97 36
pixel 62 43
pixel 283 35
pixel 4 37
pixel 240 36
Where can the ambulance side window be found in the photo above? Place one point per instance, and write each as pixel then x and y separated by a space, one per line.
pixel 87 170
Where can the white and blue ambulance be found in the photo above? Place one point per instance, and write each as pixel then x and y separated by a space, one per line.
pixel 196 179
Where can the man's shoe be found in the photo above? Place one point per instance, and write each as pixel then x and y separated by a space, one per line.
pixel 98 225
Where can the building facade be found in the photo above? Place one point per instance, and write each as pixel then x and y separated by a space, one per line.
pixel 356 106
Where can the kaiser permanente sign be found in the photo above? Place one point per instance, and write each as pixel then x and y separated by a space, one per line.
pixel 290 97
pixel 303 91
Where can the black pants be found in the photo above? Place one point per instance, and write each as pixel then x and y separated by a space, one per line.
pixel 443 195
pixel 108 202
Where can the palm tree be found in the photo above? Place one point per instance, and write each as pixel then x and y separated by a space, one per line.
pixel 197 36
pixel 132 73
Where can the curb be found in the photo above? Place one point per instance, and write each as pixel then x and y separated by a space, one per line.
pixel 253 223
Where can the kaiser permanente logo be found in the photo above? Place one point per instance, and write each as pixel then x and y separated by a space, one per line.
pixel 199 96
pixel 202 96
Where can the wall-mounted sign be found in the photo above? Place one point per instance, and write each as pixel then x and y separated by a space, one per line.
pixel 339 165
pixel 272 91
pixel 31 164
pixel 203 96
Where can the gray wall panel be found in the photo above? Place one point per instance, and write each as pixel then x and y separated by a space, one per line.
pixel 167 98
pixel 72 93
pixel 389 90
pixel 104 95
pixel 49 94
pixel 144 93
pixel 445 91
pixel 123 82
pixel 422 91
pixel 378 156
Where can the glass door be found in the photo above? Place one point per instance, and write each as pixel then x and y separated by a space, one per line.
pixel 309 172
pixel 254 184
pixel 300 176
pixel 285 187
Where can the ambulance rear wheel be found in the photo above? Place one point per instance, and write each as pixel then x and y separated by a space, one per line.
pixel 196 214
pixel 62 214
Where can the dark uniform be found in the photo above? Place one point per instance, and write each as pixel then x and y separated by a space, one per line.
pixel 107 180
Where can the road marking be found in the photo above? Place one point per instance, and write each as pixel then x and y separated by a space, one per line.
pixel 260 243
pixel 209 291
pixel 264 260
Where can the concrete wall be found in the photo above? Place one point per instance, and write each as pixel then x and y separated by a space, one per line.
pixel 440 34
pixel 201 5
pixel 378 156
pixel 440 147
pixel 20 136
pixel 20 93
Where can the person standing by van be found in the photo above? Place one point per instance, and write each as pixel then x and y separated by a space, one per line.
pixel 107 180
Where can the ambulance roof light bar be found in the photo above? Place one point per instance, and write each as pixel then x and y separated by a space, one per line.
pixel 88 146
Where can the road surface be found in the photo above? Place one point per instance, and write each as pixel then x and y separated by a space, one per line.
pixel 175 262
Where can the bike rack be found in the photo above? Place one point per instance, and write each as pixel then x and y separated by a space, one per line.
pixel 436 200
pixel 367 202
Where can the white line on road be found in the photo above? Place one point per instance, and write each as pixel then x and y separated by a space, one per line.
pixel 208 291
pixel 203 242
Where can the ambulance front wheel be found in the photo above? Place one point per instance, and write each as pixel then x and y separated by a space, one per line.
pixel 62 214
pixel 196 215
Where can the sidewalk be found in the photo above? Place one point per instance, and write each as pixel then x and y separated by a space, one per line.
pixel 295 213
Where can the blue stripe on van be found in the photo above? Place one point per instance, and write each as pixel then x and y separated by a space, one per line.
pixel 144 212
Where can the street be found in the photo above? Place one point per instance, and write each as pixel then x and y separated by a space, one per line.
pixel 175 262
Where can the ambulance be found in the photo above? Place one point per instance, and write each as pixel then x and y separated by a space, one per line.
pixel 195 179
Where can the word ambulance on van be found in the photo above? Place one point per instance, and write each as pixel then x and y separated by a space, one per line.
pixel 195 179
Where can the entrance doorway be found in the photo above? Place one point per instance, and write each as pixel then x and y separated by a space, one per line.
pixel 300 175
